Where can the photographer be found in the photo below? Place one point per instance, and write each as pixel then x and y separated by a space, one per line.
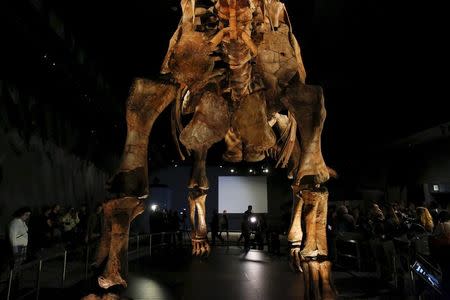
pixel 245 227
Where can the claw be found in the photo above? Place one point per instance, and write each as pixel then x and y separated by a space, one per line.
pixel 106 283
pixel 207 249
pixel 296 259
pixel 200 247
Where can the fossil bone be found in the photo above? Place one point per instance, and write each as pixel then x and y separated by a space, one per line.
pixel 234 66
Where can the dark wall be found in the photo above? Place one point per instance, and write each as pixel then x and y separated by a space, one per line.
pixel 36 174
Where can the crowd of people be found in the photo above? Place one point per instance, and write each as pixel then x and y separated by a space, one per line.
pixel 29 234
pixel 390 221
pixel 413 231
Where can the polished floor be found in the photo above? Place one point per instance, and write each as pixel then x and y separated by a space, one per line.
pixel 228 273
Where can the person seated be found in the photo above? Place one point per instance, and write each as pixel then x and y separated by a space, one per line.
pixel 344 221
pixel 442 232
pixel 392 223
pixel 424 218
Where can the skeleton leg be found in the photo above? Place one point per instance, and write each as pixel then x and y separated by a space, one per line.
pixel 123 211
pixel 328 291
pixel 105 239
pixel 198 185
pixel 200 246
pixel 310 198
pixel 295 234
pixel 306 103
pixel 321 224
pixel 316 276
pixel 146 102
pixel 313 256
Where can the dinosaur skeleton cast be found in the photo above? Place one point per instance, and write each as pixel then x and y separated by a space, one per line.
pixel 234 65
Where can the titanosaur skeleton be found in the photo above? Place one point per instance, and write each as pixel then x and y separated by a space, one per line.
pixel 234 65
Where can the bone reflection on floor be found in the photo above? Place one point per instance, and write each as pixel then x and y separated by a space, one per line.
pixel 145 287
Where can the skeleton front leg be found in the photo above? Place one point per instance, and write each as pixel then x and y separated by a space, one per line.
pixel 146 102
pixel 122 212
pixel 306 103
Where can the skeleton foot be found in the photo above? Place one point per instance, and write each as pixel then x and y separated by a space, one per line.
pixel 112 280
pixel 317 279
pixel 200 247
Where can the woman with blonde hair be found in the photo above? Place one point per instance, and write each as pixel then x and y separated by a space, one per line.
pixel 424 218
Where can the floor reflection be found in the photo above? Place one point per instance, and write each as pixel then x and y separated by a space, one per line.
pixel 144 287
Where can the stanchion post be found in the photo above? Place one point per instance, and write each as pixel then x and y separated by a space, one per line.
pixel 150 243
pixel 87 262
pixel 11 274
pixel 137 245
pixel 38 284
pixel 64 269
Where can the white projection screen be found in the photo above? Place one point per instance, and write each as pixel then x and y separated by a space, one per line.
pixel 236 193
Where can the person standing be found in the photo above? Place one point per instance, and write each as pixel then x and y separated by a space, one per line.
pixel 18 235
pixel 224 225
pixel 245 227
pixel 215 228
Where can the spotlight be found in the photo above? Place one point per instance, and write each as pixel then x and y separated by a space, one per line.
pixel 266 170
pixel 232 171
pixel 250 170
pixel 175 165
pixel 154 207
pixel 253 219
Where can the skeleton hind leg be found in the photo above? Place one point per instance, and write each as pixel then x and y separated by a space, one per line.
pixel 198 187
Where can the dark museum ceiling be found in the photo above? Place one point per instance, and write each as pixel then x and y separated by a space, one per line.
pixel 378 62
